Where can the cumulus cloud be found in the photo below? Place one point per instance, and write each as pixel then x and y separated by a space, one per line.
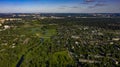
pixel 100 4
pixel 89 0
pixel 97 5
pixel 92 1
pixel 68 7
pixel 74 7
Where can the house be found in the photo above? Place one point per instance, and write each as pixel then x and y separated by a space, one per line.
pixel 115 39
pixel 2 20
pixel 0 24
pixel 75 37
pixel 6 27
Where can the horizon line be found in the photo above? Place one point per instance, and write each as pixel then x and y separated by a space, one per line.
pixel 51 12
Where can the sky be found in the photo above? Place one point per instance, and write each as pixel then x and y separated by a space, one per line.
pixel 59 6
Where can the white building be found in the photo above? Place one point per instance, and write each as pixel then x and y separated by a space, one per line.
pixel 6 27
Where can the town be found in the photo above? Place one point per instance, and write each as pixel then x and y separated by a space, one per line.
pixel 59 40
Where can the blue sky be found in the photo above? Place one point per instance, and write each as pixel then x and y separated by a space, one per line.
pixel 59 6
